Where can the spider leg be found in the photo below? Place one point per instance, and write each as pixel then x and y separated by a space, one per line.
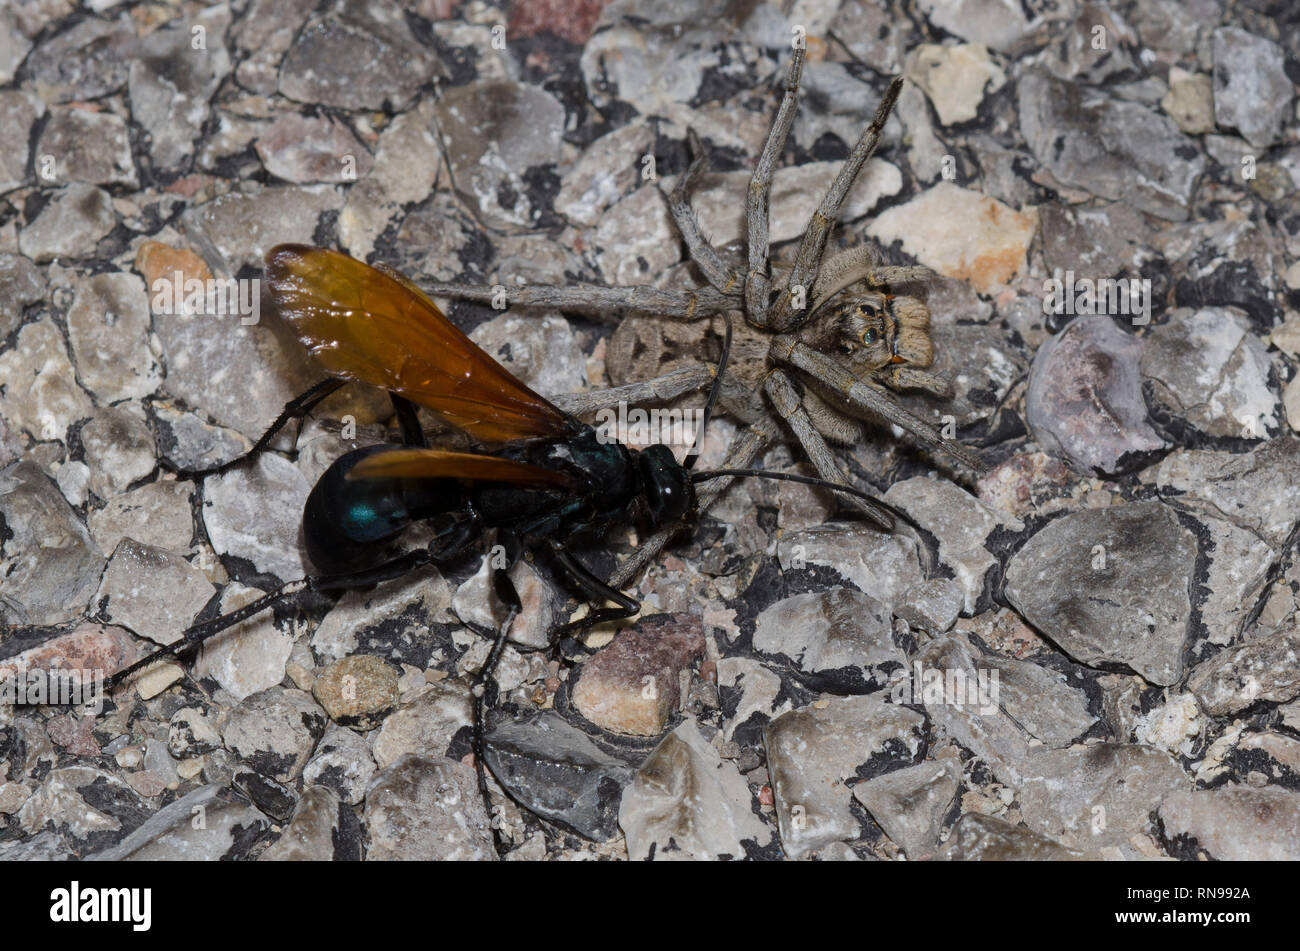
pixel 889 276
pixel 785 398
pixel 657 390
pixel 867 397
pixel 910 378
pixel 843 269
pixel 757 284
pixel 606 304
pixel 679 205
pixel 813 245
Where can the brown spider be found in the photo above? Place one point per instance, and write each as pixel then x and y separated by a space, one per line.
pixel 845 302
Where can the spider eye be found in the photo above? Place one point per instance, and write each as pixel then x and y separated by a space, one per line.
pixel 869 337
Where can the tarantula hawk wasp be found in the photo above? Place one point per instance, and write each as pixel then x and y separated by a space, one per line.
pixel 845 301
pixel 550 479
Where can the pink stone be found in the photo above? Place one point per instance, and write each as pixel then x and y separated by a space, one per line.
pixel 632 684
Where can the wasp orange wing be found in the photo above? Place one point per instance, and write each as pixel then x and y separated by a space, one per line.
pixel 376 327
pixel 444 464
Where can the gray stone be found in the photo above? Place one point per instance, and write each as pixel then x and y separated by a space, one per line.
pixel 275 731
pixel 1110 586
pixel 910 803
pixel 427 809
pixel 542 603
pixel 87 61
pixel 425 723
pixel 316 832
pixel 158 514
pixel 244 224
pixel 1252 91
pixel 342 762
pixel 249 657
pixel 494 131
pixel 885 565
pixel 557 772
pixel 401 175
pixel 607 171
pixel 253 512
pixel 1256 490
pixel 980 838
pixel 1208 367
pixel 1111 148
pixel 171 83
pixel 303 149
pixel 118 449
pixel 828 630
pixel 1239 564
pixel 1263 668
pixel 358 614
pixel 38 390
pixel 813 751
pixel 73 480
pixel 154 592
pixel 1085 396
pixel 759 688
pixel 687 803
pixel 19 110
pixel 70 226
pixel 108 327
pixel 1096 243
pixel 208 824
pixel 1003 25
pixel 1098 795
pixel 962 698
pixel 543 353
pixel 358 55
pixel 960 523
pixel 50 565
pixel 635 240
pixel 1235 823
pixel 21 283
pixel 191 733
pixel 90 147
pixel 86 807
pixel 931 606
pixel 14 47
pixel 190 444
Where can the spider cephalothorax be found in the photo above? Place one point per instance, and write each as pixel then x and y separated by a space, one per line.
pixel 791 368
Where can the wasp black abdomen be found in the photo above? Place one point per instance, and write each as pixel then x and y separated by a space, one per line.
pixel 345 521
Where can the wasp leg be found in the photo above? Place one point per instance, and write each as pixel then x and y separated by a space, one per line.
pixel 484 687
pixel 194 636
pixel 296 408
pixel 409 422
pixel 595 589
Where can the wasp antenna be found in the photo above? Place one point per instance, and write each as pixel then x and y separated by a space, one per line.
pixel 714 390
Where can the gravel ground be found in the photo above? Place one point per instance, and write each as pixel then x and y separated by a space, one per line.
pixel 1090 652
